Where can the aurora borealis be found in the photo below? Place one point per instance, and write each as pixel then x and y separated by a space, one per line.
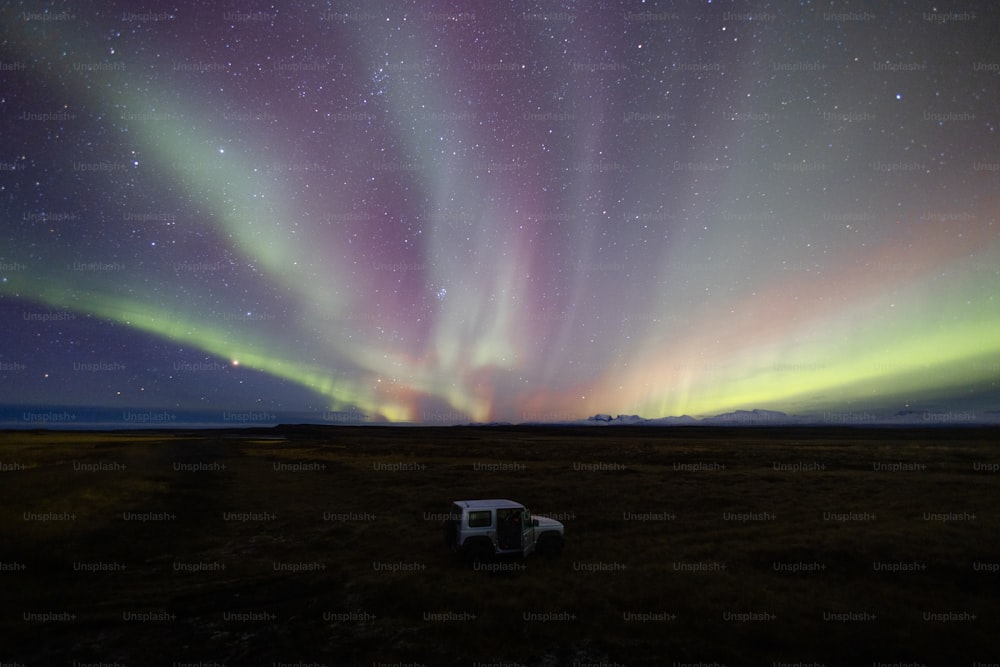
pixel 518 211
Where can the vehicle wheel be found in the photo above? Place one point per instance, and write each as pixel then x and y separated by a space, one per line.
pixel 480 552
pixel 549 546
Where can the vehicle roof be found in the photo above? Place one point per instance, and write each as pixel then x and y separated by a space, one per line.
pixel 487 503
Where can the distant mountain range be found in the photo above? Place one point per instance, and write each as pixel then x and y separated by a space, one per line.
pixel 91 418
pixel 776 418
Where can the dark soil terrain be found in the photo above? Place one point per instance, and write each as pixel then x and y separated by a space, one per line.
pixel 323 545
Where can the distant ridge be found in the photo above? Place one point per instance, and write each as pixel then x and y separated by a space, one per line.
pixel 636 419
pixel 35 417
pixel 757 417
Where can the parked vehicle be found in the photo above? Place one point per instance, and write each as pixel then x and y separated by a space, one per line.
pixel 481 530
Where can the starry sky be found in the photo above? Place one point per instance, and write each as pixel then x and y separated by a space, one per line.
pixel 500 211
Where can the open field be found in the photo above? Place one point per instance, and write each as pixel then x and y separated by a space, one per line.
pixel 323 546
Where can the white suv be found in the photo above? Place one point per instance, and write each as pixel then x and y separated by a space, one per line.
pixel 483 529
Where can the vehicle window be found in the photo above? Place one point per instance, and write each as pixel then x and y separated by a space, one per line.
pixel 479 519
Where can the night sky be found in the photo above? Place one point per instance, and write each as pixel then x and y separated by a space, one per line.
pixel 500 211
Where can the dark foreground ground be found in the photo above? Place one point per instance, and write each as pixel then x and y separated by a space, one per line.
pixel 309 546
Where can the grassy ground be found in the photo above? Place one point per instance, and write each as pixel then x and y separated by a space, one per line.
pixel 687 545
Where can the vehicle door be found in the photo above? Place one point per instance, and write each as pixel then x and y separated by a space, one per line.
pixel 527 532
pixel 483 522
